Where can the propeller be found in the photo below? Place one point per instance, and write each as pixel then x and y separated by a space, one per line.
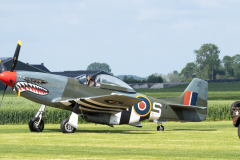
pixel 9 77
pixel 3 94
pixel 15 57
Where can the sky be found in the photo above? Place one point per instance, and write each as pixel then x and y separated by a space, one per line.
pixel 137 37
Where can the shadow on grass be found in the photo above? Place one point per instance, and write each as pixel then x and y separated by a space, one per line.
pixel 105 131
pixel 194 129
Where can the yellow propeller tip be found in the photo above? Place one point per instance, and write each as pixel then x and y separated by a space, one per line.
pixel 19 42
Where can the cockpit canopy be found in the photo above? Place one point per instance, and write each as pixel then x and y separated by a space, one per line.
pixel 108 82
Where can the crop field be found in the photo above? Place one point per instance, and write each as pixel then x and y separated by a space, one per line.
pixel 16 110
pixel 204 140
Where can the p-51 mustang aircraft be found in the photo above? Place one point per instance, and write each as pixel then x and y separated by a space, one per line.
pixel 110 101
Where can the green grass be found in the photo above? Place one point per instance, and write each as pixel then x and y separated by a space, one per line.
pixel 216 91
pixel 204 140
pixel 223 86
pixel 217 95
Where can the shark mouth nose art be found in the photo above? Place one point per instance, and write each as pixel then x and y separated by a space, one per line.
pixel 24 86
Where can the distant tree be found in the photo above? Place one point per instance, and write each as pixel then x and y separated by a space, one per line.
pixel 125 78
pixel 207 60
pixel 99 67
pixel 188 72
pixel 154 78
pixel 228 66
pixel 173 77
pixel 164 77
pixel 221 72
pixel 175 72
pixel 236 65
pixel 131 80
pixel 218 76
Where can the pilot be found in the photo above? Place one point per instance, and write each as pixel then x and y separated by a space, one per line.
pixel 90 81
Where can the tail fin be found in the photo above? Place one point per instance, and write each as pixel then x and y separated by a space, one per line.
pixel 192 104
pixel 196 93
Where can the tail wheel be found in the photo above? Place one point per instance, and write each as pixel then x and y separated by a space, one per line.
pixel 34 126
pixel 66 128
pixel 160 128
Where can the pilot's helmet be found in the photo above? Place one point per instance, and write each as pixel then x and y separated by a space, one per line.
pixel 89 77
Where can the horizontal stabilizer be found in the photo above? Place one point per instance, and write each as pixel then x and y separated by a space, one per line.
pixel 137 124
pixel 159 121
pixel 180 106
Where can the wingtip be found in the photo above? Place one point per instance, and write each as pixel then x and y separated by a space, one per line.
pixel 20 43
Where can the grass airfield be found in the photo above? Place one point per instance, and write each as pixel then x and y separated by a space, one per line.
pixel 202 140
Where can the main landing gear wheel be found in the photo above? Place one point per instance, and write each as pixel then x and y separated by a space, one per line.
pixel 35 125
pixel 160 128
pixel 66 128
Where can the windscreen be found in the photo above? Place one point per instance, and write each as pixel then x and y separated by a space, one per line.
pixel 82 79
pixel 107 79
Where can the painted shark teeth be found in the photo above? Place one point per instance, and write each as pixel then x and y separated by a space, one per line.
pixel 24 86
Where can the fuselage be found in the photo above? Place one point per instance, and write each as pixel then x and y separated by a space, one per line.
pixel 61 92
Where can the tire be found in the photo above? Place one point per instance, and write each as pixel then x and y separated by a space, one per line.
pixel 235 104
pixel 160 128
pixel 33 125
pixel 66 128
pixel 239 131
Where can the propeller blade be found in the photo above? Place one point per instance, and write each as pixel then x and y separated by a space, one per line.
pixel 2 68
pixel 15 57
pixel 3 94
pixel 16 89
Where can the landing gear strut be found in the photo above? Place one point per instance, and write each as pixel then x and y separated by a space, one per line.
pixel 36 124
pixel 69 125
pixel 160 127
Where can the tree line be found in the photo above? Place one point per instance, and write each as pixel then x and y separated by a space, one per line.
pixel 207 65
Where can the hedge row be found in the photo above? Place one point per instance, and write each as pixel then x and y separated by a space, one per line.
pixel 56 116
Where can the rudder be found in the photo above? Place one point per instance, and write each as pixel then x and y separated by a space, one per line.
pixel 196 93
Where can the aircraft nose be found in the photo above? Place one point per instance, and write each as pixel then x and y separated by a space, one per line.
pixel 5 77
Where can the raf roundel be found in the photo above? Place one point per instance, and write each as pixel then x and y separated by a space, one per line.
pixel 144 107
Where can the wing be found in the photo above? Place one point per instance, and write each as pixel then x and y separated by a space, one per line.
pixel 104 104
